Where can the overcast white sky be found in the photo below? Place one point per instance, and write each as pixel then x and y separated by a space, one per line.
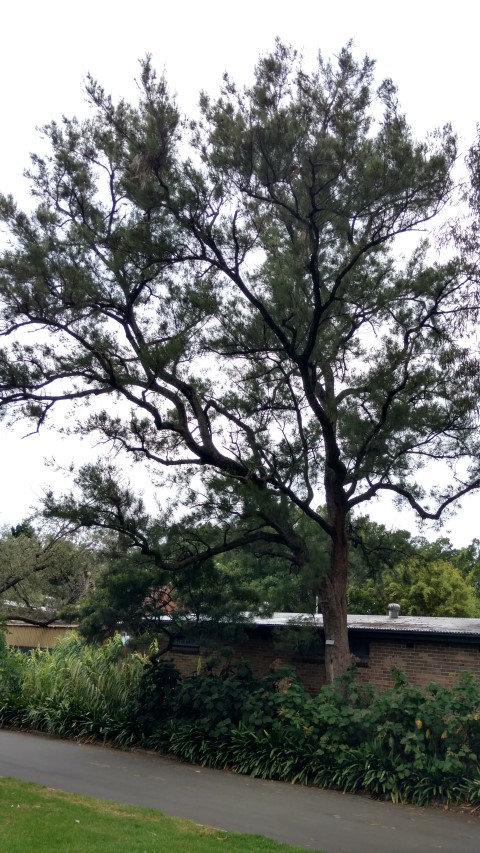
pixel 47 47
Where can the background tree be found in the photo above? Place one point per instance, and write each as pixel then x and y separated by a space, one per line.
pixel 233 287
pixel 191 571
pixel 186 571
pixel 426 578
pixel 433 587
pixel 41 575
pixel 466 559
pixel 375 551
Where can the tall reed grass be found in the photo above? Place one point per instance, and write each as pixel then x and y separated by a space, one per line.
pixel 79 690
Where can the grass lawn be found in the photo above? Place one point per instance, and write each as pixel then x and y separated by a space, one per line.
pixel 34 819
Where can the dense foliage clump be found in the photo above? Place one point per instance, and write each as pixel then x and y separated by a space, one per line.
pixel 403 744
pixel 73 690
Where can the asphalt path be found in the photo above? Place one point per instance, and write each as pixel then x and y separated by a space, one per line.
pixel 306 817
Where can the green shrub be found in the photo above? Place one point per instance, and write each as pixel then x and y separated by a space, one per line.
pixel 11 672
pixel 153 704
pixel 214 703
pixel 404 744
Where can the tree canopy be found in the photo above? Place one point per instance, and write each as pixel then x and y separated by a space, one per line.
pixel 225 298
pixel 41 575
pixel 425 578
pixel 433 587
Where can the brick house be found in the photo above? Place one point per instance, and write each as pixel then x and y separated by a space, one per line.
pixel 425 648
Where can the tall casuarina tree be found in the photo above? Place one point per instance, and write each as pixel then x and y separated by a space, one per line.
pixel 231 287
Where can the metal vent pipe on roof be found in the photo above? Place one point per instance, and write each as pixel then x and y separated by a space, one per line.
pixel 393 611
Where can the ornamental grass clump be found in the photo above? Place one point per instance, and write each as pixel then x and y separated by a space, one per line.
pixel 82 691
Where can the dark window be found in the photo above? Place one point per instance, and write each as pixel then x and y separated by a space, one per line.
pixel 309 647
pixel 360 649
pixel 313 649
pixel 185 646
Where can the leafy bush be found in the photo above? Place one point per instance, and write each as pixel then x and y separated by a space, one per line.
pixel 153 703
pixel 11 671
pixel 403 744
pixel 214 702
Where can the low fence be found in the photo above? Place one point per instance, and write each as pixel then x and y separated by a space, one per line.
pixel 24 636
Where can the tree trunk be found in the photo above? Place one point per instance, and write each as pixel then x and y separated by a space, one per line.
pixel 334 609
pixel 333 590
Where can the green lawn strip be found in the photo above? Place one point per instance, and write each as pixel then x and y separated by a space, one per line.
pixel 41 820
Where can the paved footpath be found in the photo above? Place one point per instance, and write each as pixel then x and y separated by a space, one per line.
pixel 306 817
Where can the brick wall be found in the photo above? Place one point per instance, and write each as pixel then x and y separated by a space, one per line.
pixel 423 661
pixel 261 651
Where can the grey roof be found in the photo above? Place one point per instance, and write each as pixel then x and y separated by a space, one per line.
pixel 403 624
